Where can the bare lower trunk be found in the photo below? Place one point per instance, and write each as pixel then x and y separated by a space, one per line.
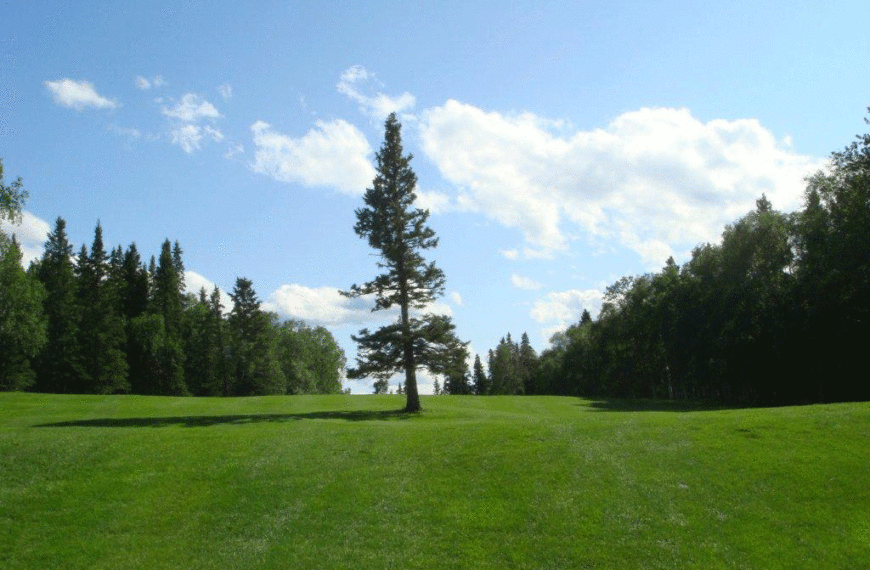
pixel 413 402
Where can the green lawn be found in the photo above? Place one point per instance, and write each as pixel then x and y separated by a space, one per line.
pixel 496 482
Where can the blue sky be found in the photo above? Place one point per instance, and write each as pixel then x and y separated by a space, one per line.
pixel 558 145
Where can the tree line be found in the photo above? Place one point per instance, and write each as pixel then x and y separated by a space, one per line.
pixel 777 313
pixel 105 323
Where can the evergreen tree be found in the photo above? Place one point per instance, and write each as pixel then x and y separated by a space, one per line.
pixel 58 364
pixel 162 370
pixel 528 366
pixel 22 320
pixel 255 362
pixel 456 377
pixel 399 232
pixel 167 291
pixel 101 330
pixel 480 384
pixel 178 265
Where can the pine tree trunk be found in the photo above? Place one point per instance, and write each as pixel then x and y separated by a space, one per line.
pixel 412 403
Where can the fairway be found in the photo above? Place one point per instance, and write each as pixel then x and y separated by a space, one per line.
pixel 472 482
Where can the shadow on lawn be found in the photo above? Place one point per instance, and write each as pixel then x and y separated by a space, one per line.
pixel 207 421
pixel 620 405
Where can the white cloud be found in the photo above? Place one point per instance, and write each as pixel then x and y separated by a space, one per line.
pixel 654 180
pixel 319 306
pixel 78 95
pixel 226 91
pixel 192 108
pixel 525 283
pixel 557 310
pixel 332 154
pixel 193 282
pixel 326 306
pixel 31 234
pixel 187 116
pixel 457 298
pixel 379 105
pixel 143 83
pixel 187 136
pixel 435 202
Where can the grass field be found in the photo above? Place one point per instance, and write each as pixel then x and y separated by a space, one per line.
pixel 493 482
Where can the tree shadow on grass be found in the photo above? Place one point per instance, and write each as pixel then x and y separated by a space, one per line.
pixel 625 405
pixel 208 421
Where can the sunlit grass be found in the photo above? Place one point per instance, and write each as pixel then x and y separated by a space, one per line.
pixel 498 482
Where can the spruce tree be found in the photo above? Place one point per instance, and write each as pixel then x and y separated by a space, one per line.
pixel 399 232
pixel 58 366
pixel 255 363
pixel 480 384
pixel 101 330
pixel 161 337
pixel 22 321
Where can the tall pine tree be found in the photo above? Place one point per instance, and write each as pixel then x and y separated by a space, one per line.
pixel 101 330
pixel 22 321
pixel 399 232
pixel 58 365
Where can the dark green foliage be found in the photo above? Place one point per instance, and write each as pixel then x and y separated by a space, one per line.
pixel 311 360
pixel 381 386
pixel 167 291
pixel 22 320
pixel 207 368
pixel 480 383
pixel 778 313
pixel 109 325
pixel 399 232
pixel 511 367
pixel 254 361
pixel 58 364
pixel 456 378
pixel 101 335
pixel 159 357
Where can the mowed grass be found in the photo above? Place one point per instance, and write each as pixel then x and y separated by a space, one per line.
pixel 494 482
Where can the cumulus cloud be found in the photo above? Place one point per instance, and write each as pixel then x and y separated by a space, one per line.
pixel 319 305
pixel 78 95
pixel 192 108
pixel 457 298
pixel 525 283
pixel 357 79
pixel 654 180
pixel 559 309
pixel 187 117
pixel 31 234
pixel 193 282
pixel 435 202
pixel 334 154
pixel 326 306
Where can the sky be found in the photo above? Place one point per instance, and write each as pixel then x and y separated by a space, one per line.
pixel 558 145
